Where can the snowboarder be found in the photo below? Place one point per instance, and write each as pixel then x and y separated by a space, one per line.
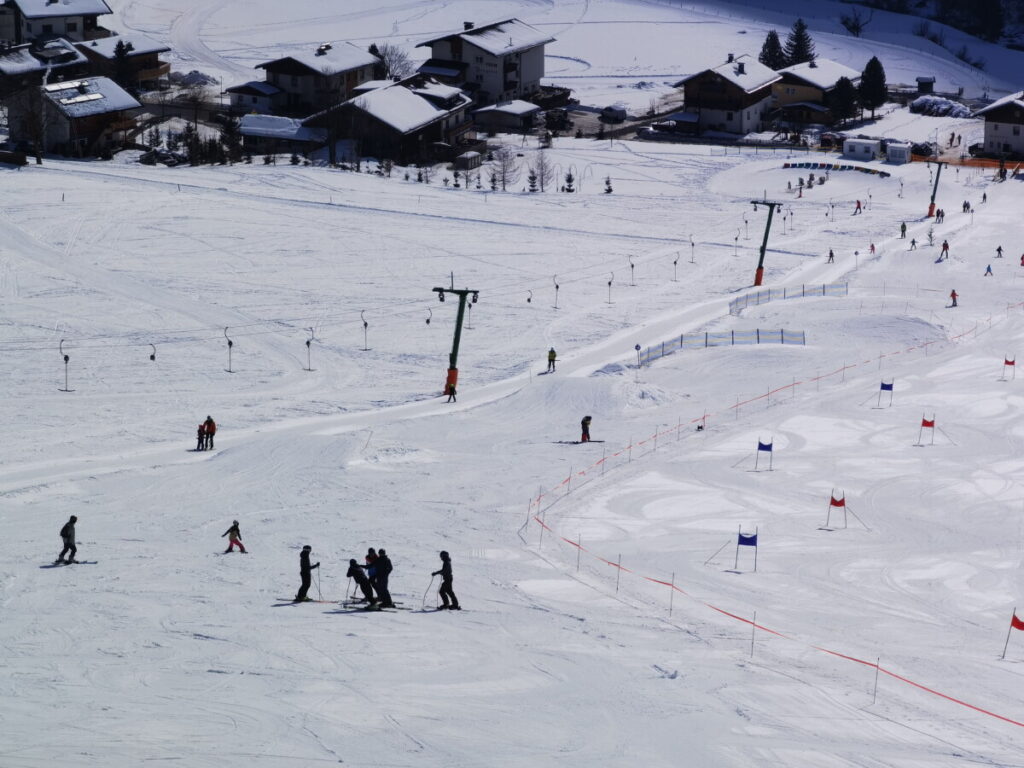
pixel 383 567
pixel 448 599
pixel 234 537
pixel 450 391
pixel 211 429
pixel 903 230
pixel 358 572
pixel 988 271
pixel 952 297
pixel 552 355
pixel 306 572
pixel 913 243
pixel 67 535
pixel 857 209
pixel 945 250
pixel 999 251
pixel 585 426
pixel 831 257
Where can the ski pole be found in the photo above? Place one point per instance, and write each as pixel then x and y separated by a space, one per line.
pixel 424 605
pixel 349 591
pixel 319 594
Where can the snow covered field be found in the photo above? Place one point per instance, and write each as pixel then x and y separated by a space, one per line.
pixel 166 649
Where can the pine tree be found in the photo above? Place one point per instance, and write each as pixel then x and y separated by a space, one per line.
pixel 772 55
pixel 124 73
pixel 872 85
pixel 799 46
pixel 842 100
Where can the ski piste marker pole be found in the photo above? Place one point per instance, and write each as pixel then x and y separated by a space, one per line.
pixel 424 604
pixel 319 594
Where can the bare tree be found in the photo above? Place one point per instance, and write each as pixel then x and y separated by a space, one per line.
pixel 395 60
pixel 506 167
pixel 544 169
pixel 26 119
pixel 195 96
pixel 855 21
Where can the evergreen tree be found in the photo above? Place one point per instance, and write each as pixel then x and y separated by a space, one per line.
pixel 772 55
pixel 124 74
pixel 569 181
pixel 872 86
pixel 799 46
pixel 842 100
pixel 231 139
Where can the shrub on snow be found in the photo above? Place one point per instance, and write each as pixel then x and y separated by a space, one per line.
pixel 937 106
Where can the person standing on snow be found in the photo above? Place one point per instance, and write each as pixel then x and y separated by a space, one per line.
pixel 358 572
pixel 999 251
pixel 585 427
pixel 371 567
pixel 201 437
pixel 448 599
pixel 234 538
pixel 952 297
pixel 831 257
pixel 67 535
pixel 383 566
pixel 903 230
pixel 306 573
pixel 913 243
pixel 988 271
pixel 211 429
pixel 552 356
pixel 945 250
pixel 857 209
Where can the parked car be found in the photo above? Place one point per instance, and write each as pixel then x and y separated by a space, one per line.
pixel 924 148
pixel 614 114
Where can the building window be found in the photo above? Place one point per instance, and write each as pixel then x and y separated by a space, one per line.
pixel 72 26
pixel 790 91
pixel 728 116
pixel 1016 130
pixel 478 59
pixel 47 29
pixel 295 80
pixel 253 99
pixel 995 127
pixel 479 78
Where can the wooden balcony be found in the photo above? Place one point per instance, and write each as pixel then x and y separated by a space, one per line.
pixel 162 69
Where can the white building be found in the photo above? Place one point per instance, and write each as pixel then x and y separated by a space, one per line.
pixel 733 97
pixel 495 62
pixel 22 21
pixel 1004 125
pixel 862 149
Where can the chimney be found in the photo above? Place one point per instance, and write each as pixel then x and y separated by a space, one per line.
pixel 729 60
pixel 740 69
pixel 467 25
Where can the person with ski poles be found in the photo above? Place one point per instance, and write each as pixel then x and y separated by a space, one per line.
pixel 358 572
pixel 552 356
pixel 306 573
pixel 383 568
pixel 211 429
pixel 234 535
pixel 448 599
pixel 67 536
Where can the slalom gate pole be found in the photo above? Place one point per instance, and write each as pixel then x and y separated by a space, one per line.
pixel 579 548
pixel 672 593
pixel 874 694
pixel 845 519
pixel 319 594
pixel 618 573
pixel 753 630
pixel 828 514
pixel 755 549
pixel 736 563
pixel 427 592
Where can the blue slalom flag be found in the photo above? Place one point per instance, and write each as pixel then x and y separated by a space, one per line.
pixel 764 446
pixel 747 541
pixel 887 387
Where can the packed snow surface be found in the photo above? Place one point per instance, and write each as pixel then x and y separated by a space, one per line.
pixel 621 634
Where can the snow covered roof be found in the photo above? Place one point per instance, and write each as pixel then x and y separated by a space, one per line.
pixel 1013 98
pixel 43 9
pixel 92 96
pixel 684 117
pixel 272 126
pixel 54 53
pixel 498 38
pixel 254 88
pixel 443 67
pixel 405 106
pixel 821 73
pixel 811 105
pixel 141 44
pixel 743 71
pixel 514 107
pixel 329 58
pixel 371 85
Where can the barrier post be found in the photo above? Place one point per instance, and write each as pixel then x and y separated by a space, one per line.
pixel 672 593
pixel 568 482
pixel 579 548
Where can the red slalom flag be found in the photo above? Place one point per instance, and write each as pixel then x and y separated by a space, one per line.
pixel 1009 362
pixel 1016 623
pixel 838 502
pixel 928 424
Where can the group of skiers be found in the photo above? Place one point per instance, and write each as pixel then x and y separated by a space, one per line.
pixel 205 433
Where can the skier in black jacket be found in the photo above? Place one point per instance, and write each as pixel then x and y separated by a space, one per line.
pixel 306 572
pixel 358 572
pixel 67 535
pixel 383 567
pixel 446 584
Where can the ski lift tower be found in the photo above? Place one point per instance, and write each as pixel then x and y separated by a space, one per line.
pixel 453 358
pixel 935 187
pixel 771 205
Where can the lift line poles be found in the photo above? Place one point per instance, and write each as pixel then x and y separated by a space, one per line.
pixel 759 274
pixel 453 358
pixel 935 187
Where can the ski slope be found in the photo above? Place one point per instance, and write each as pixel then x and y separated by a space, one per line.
pixel 167 649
